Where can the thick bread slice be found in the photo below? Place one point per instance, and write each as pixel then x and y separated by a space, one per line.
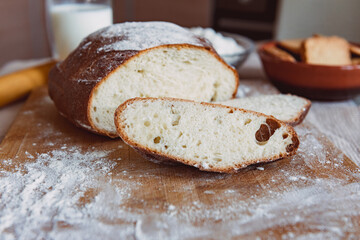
pixel 212 137
pixel 137 59
pixel 278 53
pixel 326 51
pixel 288 108
pixel 354 49
pixel 355 61
pixel 291 45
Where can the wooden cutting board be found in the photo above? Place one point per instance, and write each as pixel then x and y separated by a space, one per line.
pixel 58 181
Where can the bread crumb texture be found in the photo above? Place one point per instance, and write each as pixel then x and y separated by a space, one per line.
pixel 169 71
pixel 285 107
pixel 326 51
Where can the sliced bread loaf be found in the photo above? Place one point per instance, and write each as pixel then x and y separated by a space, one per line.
pixel 288 108
pixel 136 59
pixel 212 137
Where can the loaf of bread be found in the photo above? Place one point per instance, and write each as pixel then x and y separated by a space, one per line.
pixel 137 59
pixel 326 51
pixel 288 108
pixel 212 137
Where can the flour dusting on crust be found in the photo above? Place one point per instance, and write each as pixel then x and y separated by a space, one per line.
pixel 146 35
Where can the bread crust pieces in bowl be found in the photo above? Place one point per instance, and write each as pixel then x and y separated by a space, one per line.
pixel 326 51
pixel 137 59
pixel 211 137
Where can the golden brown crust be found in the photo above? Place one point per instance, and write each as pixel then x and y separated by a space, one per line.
pixel 73 81
pixel 157 156
pixel 312 50
pixel 355 49
pixel 280 54
pixel 300 118
pixel 291 45
pixel 355 61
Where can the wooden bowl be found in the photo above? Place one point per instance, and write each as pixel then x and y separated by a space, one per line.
pixel 317 82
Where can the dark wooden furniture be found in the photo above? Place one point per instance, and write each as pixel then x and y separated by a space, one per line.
pixel 252 18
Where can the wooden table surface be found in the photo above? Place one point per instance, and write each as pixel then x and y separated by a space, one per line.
pixel 58 181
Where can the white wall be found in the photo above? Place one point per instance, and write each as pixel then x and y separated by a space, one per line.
pixel 302 18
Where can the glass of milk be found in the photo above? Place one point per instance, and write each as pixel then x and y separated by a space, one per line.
pixel 69 21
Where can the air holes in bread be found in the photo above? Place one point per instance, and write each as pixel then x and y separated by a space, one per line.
pixel 231 111
pixel 140 71
pixel 293 145
pixel 176 121
pixel 187 62
pixel 247 121
pixel 97 120
pixel 157 140
pixel 173 110
pixel 266 131
pixel 146 123
pixel 94 109
pixel 263 134
pixel 273 125
pixel 285 135
pixel 218 119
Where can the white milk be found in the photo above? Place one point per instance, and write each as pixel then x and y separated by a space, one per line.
pixel 72 22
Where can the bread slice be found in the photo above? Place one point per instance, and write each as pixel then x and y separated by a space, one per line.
pixel 291 45
pixel 211 137
pixel 326 51
pixel 288 108
pixel 280 54
pixel 136 59
pixel 354 49
pixel 355 61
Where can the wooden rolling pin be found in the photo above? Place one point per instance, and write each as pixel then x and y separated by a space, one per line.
pixel 16 85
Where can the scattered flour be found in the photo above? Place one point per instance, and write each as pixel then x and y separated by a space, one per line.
pixel 152 34
pixel 75 193
pixel 47 195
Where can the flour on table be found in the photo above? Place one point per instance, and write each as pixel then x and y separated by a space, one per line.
pixel 73 192
pixel 53 187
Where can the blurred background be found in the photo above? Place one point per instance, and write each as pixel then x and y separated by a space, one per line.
pixel 23 26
